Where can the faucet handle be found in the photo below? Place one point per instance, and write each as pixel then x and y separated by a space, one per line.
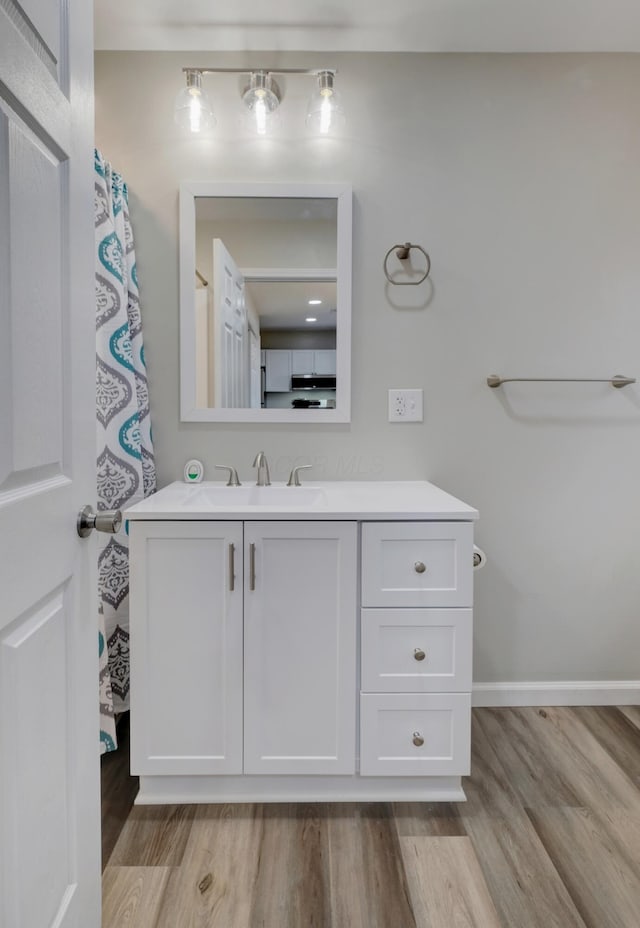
pixel 294 479
pixel 233 480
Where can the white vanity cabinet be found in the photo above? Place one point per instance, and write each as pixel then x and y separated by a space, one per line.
pixel 301 644
pixel 243 640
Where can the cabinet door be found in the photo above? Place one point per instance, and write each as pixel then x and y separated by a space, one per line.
pixel 278 370
pixel 300 647
pixel 324 361
pixel 302 361
pixel 186 647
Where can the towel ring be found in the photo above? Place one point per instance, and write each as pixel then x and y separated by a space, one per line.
pixel 402 253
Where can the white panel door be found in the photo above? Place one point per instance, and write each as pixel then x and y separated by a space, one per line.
pixel 300 647
pixel 186 647
pixel 231 331
pixel 49 725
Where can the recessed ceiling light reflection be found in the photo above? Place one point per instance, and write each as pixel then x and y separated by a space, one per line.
pixel 315 302
pixel 311 319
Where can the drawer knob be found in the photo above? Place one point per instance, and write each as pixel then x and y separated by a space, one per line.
pixel 418 740
pixel 419 567
pixel 419 654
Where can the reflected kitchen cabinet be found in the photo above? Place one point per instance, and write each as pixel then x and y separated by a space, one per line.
pixel 278 370
pixel 305 361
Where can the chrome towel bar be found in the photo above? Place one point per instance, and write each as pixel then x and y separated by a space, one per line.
pixel 617 381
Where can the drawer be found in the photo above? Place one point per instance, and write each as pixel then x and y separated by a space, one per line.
pixel 416 650
pixel 392 727
pixel 417 563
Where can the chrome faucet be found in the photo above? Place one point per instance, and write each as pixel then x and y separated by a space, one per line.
pixel 263 470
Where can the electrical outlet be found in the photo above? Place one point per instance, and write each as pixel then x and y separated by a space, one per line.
pixel 405 405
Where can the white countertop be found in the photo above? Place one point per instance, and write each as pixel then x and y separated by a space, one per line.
pixel 347 500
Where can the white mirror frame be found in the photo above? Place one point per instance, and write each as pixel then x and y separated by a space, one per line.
pixel 189 412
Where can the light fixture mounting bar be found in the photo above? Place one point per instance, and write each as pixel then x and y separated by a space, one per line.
pixel 312 71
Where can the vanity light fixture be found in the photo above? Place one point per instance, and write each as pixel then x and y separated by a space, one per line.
pixel 193 109
pixel 261 97
pixel 325 112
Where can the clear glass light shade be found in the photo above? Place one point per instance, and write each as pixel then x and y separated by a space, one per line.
pixel 193 111
pixel 325 113
pixel 262 99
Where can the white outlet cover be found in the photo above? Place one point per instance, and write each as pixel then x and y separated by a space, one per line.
pixel 405 405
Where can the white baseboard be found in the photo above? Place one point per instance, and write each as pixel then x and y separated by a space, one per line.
pixel 558 693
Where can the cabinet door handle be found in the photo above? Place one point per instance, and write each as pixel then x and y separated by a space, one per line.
pixel 252 566
pixel 418 740
pixel 419 567
pixel 419 654
pixel 232 567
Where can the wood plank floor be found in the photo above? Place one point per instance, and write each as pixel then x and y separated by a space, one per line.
pixel 549 838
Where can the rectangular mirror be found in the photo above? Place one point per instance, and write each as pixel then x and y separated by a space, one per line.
pixel 265 302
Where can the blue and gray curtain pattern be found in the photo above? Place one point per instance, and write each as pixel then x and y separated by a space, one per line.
pixel 126 468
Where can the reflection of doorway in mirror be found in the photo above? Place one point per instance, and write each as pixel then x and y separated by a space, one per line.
pixel 298 321
pixel 265 310
pixel 282 255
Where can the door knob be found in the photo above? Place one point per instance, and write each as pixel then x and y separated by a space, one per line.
pixel 109 520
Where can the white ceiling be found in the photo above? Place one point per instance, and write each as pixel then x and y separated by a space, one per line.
pixel 370 25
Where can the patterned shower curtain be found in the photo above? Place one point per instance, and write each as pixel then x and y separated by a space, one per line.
pixel 126 468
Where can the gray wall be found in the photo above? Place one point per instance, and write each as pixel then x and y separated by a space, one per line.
pixel 520 176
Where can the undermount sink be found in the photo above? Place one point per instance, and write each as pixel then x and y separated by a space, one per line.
pixel 219 496
pixel 281 496
pixel 287 496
